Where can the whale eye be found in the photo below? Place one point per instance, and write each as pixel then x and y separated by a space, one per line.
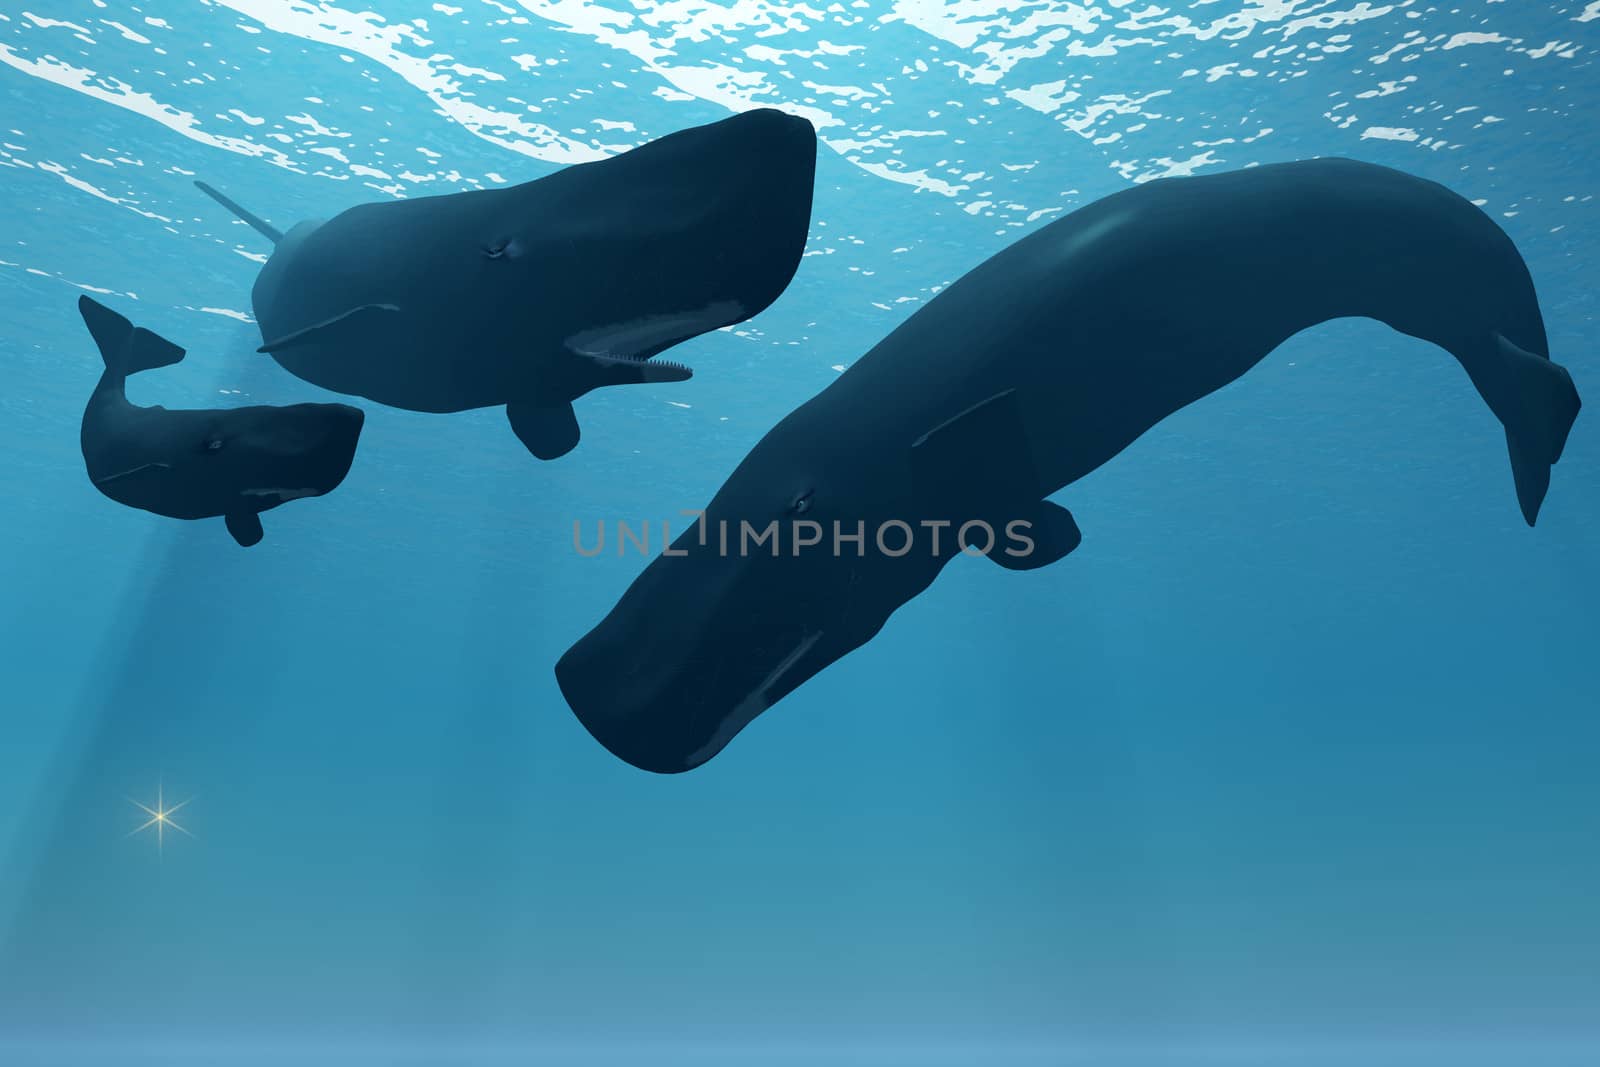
pixel 505 248
pixel 802 503
pixel 213 444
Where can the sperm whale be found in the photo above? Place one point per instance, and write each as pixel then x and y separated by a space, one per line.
pixel 532 295
pixel 1035 368
pixel 232 463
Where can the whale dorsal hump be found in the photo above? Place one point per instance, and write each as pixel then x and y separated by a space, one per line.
pixel 349 324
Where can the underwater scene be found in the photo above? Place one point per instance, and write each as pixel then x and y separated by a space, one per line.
pixel 739 532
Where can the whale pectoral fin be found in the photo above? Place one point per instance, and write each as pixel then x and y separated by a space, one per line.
pixel 1038 539
pixel 979 465
pixel 245 526
pixel 549 431
pixel 978 460
pixel 345 327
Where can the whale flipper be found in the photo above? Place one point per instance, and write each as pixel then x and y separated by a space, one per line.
pixel 125 348
pixel 549 431
pixel 1536 400
pixel 353 322
pixel 1051 534
pixel 245 526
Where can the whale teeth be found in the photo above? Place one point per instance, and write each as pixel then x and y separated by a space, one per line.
pixel 646 369
pixel 663 370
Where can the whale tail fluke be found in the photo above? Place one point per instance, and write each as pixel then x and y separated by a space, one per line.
pixel 1538 405
pixel 126 348
pixel 255 222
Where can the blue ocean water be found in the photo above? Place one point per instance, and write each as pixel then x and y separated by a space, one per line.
pixel 1293 762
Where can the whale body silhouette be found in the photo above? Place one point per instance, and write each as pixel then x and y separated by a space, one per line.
pixel 1023 376
pixel 532 295
pixel 232 463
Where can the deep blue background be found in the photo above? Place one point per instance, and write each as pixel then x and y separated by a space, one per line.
pixel 1294 760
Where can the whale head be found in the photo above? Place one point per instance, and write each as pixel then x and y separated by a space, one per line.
pixel 748 603
pixel 547 287
pixel 197 464
pixel 281 453
pixel 839 516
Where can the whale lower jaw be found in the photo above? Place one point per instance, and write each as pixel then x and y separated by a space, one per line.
pixel 647 370
pixel 283 494
pixel 629 340
pixel 752 705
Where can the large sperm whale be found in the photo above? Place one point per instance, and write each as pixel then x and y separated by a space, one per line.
pixel 230 463
pixel 1026 374
pixel 530 296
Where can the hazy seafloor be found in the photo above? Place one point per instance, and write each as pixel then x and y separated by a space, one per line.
pixel 1293 762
